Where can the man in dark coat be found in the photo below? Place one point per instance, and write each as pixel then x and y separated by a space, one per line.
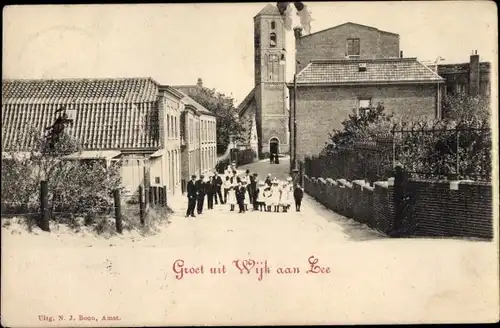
pixel 200 187
pixel 218 189
pixel 271 158
pixel 210 189
pixel 249 186
pixel 254 187
pixel 192 195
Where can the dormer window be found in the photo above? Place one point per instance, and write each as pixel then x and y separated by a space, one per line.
pixel 272 40
pixel 352 47
pixel 273 25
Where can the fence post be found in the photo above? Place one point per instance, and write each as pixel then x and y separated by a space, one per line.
pixel 44 206
pixel 164 200
pixel 118 211
pixel 141 204
pixel 456 154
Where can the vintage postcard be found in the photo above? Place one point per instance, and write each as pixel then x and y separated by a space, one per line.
pixel 283 163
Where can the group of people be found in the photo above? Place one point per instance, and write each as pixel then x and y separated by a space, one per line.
pixel 269 195
pixel 198 190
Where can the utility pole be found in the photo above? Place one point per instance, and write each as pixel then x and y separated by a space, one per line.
pixel 294 121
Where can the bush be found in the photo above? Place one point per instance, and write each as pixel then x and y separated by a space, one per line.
pixel 246 156
pixel 458 147
pixel 76 187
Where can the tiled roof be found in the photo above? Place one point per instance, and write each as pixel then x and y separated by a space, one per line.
pixel 269 10
pixel 377 71
pixel 110 113
pixel 246 102
pixel 79 90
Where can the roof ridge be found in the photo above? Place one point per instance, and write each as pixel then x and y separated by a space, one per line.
pixel 374 60
pixel 331 28
pixel 78 79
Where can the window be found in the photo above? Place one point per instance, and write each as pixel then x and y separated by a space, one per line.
pixel 272 40
pixel 352 47
pixel 364 105
pixel 273 25
pixel 168 126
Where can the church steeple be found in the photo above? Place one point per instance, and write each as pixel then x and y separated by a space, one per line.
pixel 269 46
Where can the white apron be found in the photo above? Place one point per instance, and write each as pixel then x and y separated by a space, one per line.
pixel 231 197
pixel 275 197
pixel 286 195
pixel 260 195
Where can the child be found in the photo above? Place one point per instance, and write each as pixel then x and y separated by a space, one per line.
pixel 231 196
pixel 298 193
pixel 260 196
pixel 227 186
pixel 286 191
pixel 276 195
pixel 268 198
pixel 240 197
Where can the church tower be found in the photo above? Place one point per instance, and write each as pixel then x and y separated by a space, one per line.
pixel 270 81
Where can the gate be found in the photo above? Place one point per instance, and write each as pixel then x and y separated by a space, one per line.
pixel 403 223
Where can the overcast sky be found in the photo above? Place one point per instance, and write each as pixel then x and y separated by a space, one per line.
pixel 178 43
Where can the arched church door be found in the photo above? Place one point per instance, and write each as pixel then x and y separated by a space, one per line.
pixel 274 146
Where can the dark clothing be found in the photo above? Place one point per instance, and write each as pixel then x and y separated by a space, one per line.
pixel 268 181
pixel 226 192
pixel 210 188
pixel 191 193
pixel 240 198
pixel 255 190
pixel 298 202
pixel 298 194
pixel 271 158
pixel 218 190
pixel 250 189
pixel 200 187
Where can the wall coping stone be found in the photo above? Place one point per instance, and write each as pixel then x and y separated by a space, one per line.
pixel 454 183
pixel 383 184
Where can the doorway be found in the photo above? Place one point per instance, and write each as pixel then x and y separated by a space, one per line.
pixel 274 145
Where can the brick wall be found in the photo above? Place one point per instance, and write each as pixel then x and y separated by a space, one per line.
pixel 435 209
pixel 331 44
pixel 330 105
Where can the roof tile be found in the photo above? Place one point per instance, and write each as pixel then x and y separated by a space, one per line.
pixel 377 70
pixel 110 113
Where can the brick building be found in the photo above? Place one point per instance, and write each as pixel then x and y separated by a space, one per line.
pixel 346 41
pixel 264 110
pixel 473 77
pixel 352 67
pixel 135 121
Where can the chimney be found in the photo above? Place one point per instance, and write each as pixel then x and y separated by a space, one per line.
pixel 200 83
pixel 401 54
pixel 297 31
pixel 474 74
